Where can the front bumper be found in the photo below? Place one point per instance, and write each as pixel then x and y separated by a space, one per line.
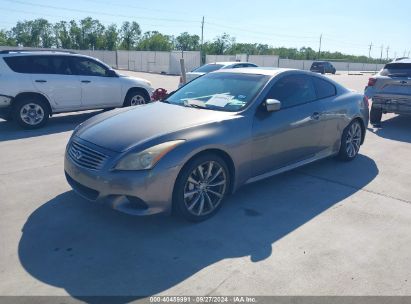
pixel 132 192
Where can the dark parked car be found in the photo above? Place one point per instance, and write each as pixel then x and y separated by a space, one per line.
pixel 219 132
pixel 390 90
pixel 322 67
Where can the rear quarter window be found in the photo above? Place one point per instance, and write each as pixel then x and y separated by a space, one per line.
pixel 30 64
pixel 18 64
pixel 324 88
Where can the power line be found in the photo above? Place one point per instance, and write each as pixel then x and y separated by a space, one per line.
pixel 98 13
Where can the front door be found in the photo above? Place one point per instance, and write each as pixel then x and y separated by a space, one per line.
pixel 98 90
pixel 292 134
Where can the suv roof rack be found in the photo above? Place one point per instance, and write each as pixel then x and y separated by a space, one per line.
pixel 35 50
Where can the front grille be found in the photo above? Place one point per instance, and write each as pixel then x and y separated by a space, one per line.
pixel 86 157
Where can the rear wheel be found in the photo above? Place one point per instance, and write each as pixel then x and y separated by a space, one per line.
pixel 351 141
pixel 31 113
pixel 201 188
pixel 375 116
pixel 136 97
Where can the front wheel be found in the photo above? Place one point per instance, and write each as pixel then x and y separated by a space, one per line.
pixel 31 114
pixel 351 141
pixel 201 188
pixel 136 97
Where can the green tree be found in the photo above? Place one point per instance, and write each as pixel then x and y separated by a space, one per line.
pixel 75 35
pixel 92 34
pixel 62 35
pixel 187 42
pixel 220 45
pixel 155 41
pixel 111 37
pixel 6 39
pixel 130 33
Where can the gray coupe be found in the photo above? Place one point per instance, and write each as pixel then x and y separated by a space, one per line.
pixel 213 135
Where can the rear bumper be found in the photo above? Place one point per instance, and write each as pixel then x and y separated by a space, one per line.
pixel 393 104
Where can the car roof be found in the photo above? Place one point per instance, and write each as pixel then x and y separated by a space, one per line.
pixel 404 60
pixel 229 62
pixel 10 53
pixel 268 71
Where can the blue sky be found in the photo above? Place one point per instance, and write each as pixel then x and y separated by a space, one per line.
pixel 348 26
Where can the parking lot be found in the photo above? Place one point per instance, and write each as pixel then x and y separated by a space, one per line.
pixel 330 228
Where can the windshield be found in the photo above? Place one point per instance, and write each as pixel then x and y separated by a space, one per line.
pixel 220 91
pixel 397 69
pixel 208 68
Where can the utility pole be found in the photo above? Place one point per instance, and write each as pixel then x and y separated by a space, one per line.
pixel 409 54
pixel 202 40
pixel 388 49
pixel 369 51
pixel 319 49
pixel 382 49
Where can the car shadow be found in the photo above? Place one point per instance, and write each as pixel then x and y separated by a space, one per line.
pixel 56 124
pixel 396 128
pixel 90 250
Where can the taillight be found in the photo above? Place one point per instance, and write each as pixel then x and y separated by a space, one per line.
pixel 371 82
pixel 366 101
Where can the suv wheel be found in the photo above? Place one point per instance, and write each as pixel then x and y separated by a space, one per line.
pixel 351 141
pixel 375 116
pixel 201 188
pixel 136 97
pixel 31 113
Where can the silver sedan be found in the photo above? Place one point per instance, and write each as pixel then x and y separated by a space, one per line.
pixel 215 134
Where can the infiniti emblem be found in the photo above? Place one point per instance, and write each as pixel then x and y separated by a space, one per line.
pixel 78 154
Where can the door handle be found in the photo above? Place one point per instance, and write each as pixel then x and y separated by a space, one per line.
pixel 85 81
pixel 316 116
pixel 403 82
pixel 40 80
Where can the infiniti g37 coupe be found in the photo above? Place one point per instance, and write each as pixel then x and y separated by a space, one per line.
pixel 213 135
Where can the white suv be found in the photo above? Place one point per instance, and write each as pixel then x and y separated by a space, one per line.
pixel 36 84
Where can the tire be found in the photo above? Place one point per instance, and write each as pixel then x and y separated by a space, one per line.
pixel 351 141
pixel 136 97
pixel 375 116
pixel 31 113
pixel 208 193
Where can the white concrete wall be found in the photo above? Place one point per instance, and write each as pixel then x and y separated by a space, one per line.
pixel 264 60
pixel 192 60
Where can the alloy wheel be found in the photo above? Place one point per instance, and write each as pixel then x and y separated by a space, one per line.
pixel 137 100
pixel 205 188
pixel 32 114
pixel 353 140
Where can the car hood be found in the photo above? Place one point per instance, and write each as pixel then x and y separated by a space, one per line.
pixel 135 80
pixel 120 130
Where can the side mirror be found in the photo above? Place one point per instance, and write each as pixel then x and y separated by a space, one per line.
pixel 272 105
pixel 111 73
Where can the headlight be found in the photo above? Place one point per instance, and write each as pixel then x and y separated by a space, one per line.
pixel 148 158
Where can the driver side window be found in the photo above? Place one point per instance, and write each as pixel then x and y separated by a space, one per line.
pixel 293 90
pixel 87 67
